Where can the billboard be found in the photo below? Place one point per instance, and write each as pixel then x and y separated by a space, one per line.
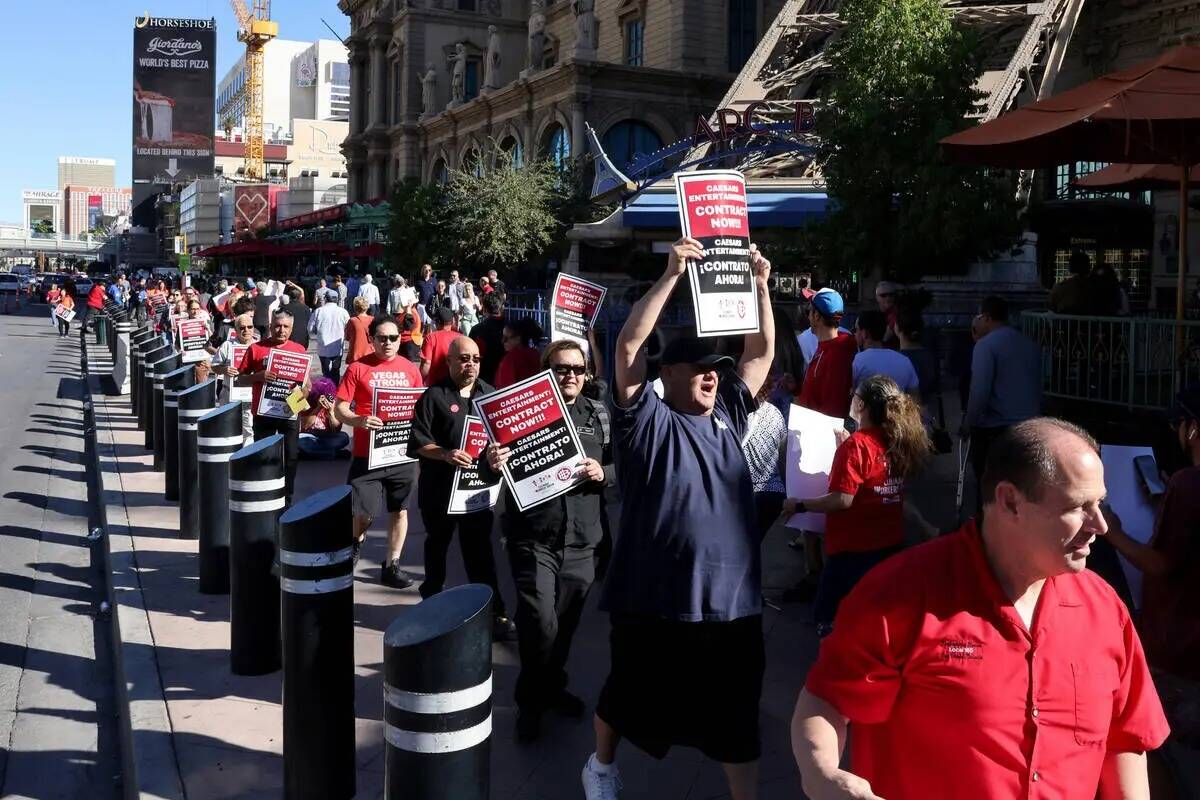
pixel 95 210
pixel 174 93
pixel 251 209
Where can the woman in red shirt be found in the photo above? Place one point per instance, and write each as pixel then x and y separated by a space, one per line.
pixel 521 359
pixel 358 338
pixel 865 504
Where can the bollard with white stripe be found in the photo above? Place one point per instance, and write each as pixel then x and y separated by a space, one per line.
pixel 174 382
pixel 219 436
pixel 147 348
pixel 122 328
pixel 193 404
pixel 316 576
pixel 138 345
pixel 163 360
pixel 437 692
pixel 256 499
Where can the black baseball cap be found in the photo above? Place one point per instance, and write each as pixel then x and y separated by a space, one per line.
pixel 445 315
pixel 694 350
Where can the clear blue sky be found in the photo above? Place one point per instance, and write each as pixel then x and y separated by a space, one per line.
pixel 66 78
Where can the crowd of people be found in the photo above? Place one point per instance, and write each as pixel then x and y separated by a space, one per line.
pixel 988 650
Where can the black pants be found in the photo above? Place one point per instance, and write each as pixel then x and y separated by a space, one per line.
pixel 475 541
pixel 552 587
pixel 290 429
pixel 841 574
pixel 981 443
pixel 331 367
pixel 64 327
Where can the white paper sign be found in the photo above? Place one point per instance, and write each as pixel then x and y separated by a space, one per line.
pixel 1129 499
pixel 811 443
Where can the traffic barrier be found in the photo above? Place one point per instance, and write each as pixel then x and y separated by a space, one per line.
pixel 437 692
pixel 146 407
pixel 193 403
pixel 158 373
pixel 316 576
pixel 100 325
pixel 121 353
pixel 140 343
pixel 256 499
pixel 219 436
pixel 174 382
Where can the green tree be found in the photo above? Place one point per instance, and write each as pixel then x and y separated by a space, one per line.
pixel 417 226
pixel 906 76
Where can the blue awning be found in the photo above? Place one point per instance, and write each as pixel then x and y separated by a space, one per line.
pixel 660 210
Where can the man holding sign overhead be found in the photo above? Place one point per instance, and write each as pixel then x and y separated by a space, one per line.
pixel 684 588
pixel 277 369
pixel 383 389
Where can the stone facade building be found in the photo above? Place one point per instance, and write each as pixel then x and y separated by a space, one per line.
pixel 434 81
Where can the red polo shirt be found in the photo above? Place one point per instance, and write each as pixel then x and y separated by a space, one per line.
pixel 358 387
pixel 828 382
pixel 950 695
pixel 255 359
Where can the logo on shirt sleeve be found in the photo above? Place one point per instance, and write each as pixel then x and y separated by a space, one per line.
pixel 962 649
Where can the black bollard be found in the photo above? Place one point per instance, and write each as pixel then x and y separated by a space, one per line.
pixel 316 576
pixel 138 349
pixel 256 498
pixel 437 693
pixel 146 407
pixel 193 404
pixel 121 329
pixel 174 382
pixel 219 436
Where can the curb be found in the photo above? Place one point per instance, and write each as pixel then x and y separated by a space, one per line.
pixel 149 764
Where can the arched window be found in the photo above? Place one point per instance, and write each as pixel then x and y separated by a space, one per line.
pixel 558 146
pixel 629 139
pixel 743 32
pixel 441 173
pixel 512 146
pixel 472 162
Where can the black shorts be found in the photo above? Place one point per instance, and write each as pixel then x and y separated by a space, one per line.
pixel 375 491
pixel 694 684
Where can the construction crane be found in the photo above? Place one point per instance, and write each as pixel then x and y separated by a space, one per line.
pixel 254 30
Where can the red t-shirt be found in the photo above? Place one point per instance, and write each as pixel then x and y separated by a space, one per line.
pixel 517 365
pixel 255 360
pixel 950 695
pixel 875 519
pixel 365 375
pixel 358 338
pixel 96 296
pixel 828 382
pixel 434 350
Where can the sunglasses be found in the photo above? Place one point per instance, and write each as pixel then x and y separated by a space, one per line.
pixel 383 337
pixel 469 359
pixel 245 327
pixel 563 370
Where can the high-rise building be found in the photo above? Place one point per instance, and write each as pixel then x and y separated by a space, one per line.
pixel 85 206
pixel 301 80
pixel 74 171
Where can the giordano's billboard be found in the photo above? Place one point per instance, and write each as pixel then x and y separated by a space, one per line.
pixel 174 92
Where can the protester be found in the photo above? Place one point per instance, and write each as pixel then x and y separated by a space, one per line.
pixel 495 282
pixel 222 363
pixel 1006 381
pixel 321 434
pixel 468 310
pixel 412 336
pixel 95 302
pixel 765 449
pixel 328 324
pixel 436 346
pixel 264 306
pixel 828 380
pixel 864 508
pixel 300 313
pixel 357 332
pixel 485 286
pixel 343 292
pixel 489 335
pixel 395 297
pixel 440 300
pixel 370 292
pixel 252 371
pixel 909 328
pixel 787 368
pixel 384 487
pixel 1072 295
pixel 950 686
pixel 437 431
pixel 521 357
pixel 552 552
pixel 454 291
pixel 353 287
pixel 876 359
pixel 67 302
pixel 887 294
pixel 54 296
pixel 684 587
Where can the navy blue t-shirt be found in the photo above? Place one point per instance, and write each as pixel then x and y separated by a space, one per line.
pixel 687 548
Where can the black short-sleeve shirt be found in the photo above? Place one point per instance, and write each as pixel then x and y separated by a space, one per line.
pixel 439 418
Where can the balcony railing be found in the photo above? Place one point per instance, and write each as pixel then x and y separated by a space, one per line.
pixel 1136 362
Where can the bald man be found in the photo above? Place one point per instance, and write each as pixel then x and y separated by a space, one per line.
pixel 438 422
pixel 989 663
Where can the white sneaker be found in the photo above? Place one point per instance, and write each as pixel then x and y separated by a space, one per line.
pixel 600 785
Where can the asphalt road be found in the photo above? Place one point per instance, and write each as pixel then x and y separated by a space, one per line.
pixel 58 733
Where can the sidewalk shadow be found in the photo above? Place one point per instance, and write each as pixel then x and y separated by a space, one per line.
pixel 56 453
pixel 65 505
pixel 35 535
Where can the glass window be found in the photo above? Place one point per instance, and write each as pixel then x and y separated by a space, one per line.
pixel 626 141
pixel 512 146
pixel 339 73
pixel 558 146
pixel 635 30
pixel 441 173
pixel 743 32
pixel 471 80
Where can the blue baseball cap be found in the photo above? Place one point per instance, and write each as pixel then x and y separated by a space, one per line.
pixel 828 303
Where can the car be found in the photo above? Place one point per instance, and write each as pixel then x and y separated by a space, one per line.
pixel 9 283
pixel 83 286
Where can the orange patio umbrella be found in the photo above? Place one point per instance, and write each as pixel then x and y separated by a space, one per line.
pixel 1148 114
pixel 1136 178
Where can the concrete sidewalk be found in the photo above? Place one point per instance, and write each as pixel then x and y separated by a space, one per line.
pixel 198 731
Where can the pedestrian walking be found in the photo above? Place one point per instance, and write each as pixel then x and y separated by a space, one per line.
pixel 370 292
pixel 684 589
pixel 328 326
pixel 436 347
pixel 829 380
pixel 66 302
pixel 357 332
pixel 521 357
pixel 990 653
pixel 876 358
pixel 224 365
pixel 489 335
